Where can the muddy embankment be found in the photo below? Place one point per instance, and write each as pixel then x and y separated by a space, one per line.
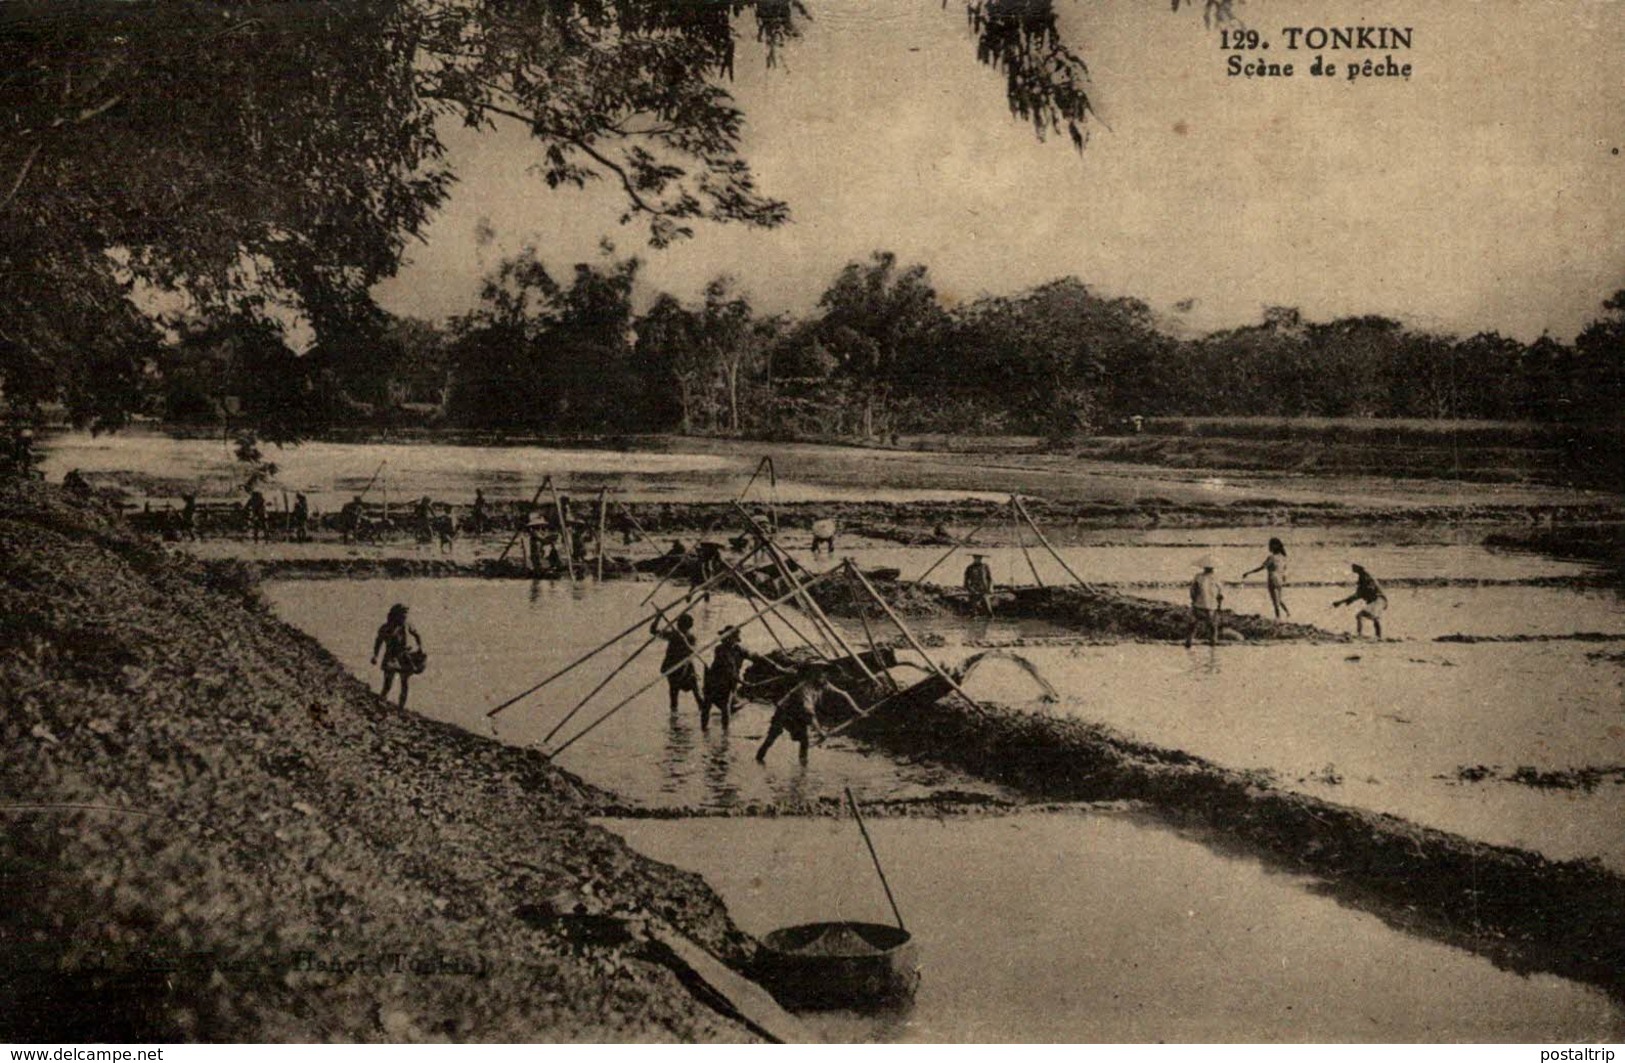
pixel 916 523
pixel 1094 612
pixel 213 832
pixel 1517 908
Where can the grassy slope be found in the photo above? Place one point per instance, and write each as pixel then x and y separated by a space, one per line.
pixel 277 807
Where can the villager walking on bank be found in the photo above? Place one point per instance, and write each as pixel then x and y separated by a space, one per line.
pixel 477 516
pixel 979 583
pixel 259 525
pixel 1207 598
pixel 423 518
pixel 1374 602
pixel 1274 569
pixel 394 642
pixel 680 647
pixel 188 528
pixel 301 517
pixel 350 518
pixel 797 711
pixel 725 676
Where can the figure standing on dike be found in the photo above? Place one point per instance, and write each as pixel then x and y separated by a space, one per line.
pixel 259 525
pixel 394 641
pixel 1274 569
pixel 1207 598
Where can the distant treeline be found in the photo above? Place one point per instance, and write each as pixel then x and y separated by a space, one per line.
pixel 879 355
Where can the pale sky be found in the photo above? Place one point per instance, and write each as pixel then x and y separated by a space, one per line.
pixel 1483 193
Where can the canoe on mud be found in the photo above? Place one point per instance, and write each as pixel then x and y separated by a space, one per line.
pixel 839 965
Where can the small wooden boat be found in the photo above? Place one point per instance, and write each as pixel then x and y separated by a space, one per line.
pixel 839 965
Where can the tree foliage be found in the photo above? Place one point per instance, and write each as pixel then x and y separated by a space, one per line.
pixel 275 157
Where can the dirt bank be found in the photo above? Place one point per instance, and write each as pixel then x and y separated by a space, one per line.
pixel 213 832
pixel 1095 613
pixel 915 523
pixel 1516 907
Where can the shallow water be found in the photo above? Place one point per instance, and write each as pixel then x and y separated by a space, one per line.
pixel 1384 727
pixel 330 473
pixel 1174 565
pixel 1430 612
pixel 1098 927
pixel 489 640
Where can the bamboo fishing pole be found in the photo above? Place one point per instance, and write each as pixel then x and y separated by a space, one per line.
pixel 1021 507
pixel 565 538
pixel 952 550
pixel 692 656
pixel 828 631
pixel 754 592
pixel 650 641
pixel 603 506
pixel 876 858
pixel 374 479
pixel 930 662
pixel 595 651
pixel 874 647
pixel 1015 526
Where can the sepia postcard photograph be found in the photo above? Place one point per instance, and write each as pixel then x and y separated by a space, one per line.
pixel 812 521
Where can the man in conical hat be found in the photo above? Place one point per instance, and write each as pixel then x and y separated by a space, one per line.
pixel 979 583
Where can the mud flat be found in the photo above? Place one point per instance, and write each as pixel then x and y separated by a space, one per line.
pixel 1516 907
pixel 1456 737
pixel 213 832
pixel 1104 925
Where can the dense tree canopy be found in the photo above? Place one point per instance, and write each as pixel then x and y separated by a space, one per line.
pixel 247 156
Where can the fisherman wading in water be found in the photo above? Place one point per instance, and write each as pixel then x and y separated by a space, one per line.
pixel 680 647
pixel 797 711
pixel 726 675
pixel 399 659
pixel 1374 602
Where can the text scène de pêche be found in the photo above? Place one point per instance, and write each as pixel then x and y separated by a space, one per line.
pixel 1246 45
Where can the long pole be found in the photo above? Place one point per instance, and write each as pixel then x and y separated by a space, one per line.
pixel 930 662
pixel 1015 526
pixel 754 592
pixel 374 479
pixel 596 650
pixel 627 513
pixel 564 533
pixel 537 497
pixel 650 641
pixel 952 550
pixel 670 572
pixel 694 656
pixel 603 506
pixel 874 648
pixel 758 471
pixel 876 858
pixel 1043 539
pixel 813 608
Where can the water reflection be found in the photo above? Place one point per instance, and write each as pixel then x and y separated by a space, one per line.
pixel 1099 927
pixel 494 639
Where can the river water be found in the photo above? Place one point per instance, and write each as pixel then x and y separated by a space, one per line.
pixel 1382 726
pixel 1095 926
pixel 489 640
